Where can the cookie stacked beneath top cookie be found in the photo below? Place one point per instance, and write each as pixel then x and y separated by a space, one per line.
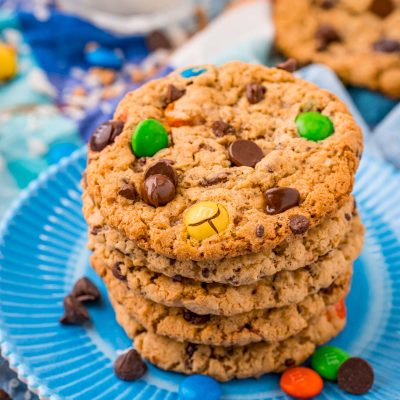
pixel 220 218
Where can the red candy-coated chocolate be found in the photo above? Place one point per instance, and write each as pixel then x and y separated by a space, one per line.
pixel 340 309
pixel 301 383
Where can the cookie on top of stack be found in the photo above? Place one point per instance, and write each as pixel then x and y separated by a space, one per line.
pixel 221 219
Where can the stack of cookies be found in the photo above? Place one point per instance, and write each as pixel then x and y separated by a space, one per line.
pixel 221 218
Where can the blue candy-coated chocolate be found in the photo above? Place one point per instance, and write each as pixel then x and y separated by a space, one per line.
pixel 199 387
pixel 103 57
pixel 190 72
pixel 58 151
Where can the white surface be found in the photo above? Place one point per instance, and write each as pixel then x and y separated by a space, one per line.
pixel 242 24
pixel 127 17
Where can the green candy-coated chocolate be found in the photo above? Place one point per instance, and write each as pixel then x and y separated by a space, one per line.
pixel 314 126
pixel 327 361
pixel 149 137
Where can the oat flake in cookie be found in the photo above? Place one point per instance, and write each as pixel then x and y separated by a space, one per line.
pixel 253 104
pixel 358 39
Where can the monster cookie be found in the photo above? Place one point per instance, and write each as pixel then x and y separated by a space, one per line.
pixel 283 288
pixel 222 162
pixel 290 255
pixel 260 325
pixel 225 363
pixel 358 39
pixel 221 218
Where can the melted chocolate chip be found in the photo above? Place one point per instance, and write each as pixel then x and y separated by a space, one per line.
pixel 325 35
pixel 328 4
pixel 157 40
pixel 129 366
pixel 382 8
pixel 190 350
pixel 213 180
pixel 105 134
pixel 158 190
pixel 178 278
pixel 85 290
pixel 173 94
pixel 4 395
pixel 195 319
pixel 162 167
pixel 128 191
pixel 280 199
pixel 260 230
pixel 116 270
pixel 221 128
pixel 96 229
pixel 74 312
pixel 255 92
pixel 205 272
pixel 289 362
pixel 298 224
pixel 347 216
pixel 355 376
pixel 289 65
pixel 387 45
pixel 245 153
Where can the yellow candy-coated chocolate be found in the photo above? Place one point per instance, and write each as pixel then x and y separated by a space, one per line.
pixel 8 62
pixel 206 219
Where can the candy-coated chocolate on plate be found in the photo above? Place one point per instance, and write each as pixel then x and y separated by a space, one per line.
pixel 301 383
pixel 327 361
pixel 199 387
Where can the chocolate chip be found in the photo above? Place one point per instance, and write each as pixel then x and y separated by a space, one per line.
pixel 191 349
pixel 328 4
pixel 162 167
pixel 325 35
pixel 382 8
pixel 387 45
pixel 105 134
pixel 221 128
pixel 280 199
pixel 289 65
pixel 260 230
pixel 129 366
pixel 298 224
pixel 195 318
pixel 157 40
pixel 177 278
pixel 347 216
pixel 255 92
pixel 205 272
pixel 245 153
pixel 85 290
pixel 96 229
pixel 289 362
pixel 74 312
pixel 116 270
pixel 158 190
pixel 355 376
pixel 4 395
pixel 128 191
pixel 173 94
pixel 213 180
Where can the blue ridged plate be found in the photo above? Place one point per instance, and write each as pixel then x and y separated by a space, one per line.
pixel 42 253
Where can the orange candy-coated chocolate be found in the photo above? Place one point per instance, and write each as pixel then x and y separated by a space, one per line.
pixel 173 118
pixel 340 309
pixel 301 383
